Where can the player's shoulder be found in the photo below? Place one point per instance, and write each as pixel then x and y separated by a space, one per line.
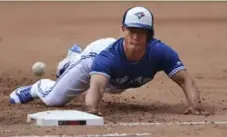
pixel 159 48
pixel 111 56
pixel 116 44
pixel 114 49
pixel 158 45
pixel 107 58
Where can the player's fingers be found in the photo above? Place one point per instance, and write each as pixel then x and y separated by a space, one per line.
pixel 187 111
pixel 100 113
pixel 192 111
pixel 204 112
pixel 96 113
pixel 201 112
pixel 197 112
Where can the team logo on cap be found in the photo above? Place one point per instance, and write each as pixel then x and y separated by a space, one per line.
pixel 140 15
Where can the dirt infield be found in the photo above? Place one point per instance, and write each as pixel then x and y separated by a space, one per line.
pixel 42 31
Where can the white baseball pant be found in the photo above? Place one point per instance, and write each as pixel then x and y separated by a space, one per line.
pixel 75 79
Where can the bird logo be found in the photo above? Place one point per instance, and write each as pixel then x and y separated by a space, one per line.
pixel 140 15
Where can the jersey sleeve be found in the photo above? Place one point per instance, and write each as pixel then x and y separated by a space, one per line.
pixel 170 62
pixel 102 64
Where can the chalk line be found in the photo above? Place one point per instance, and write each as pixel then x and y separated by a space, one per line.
pixel 138 124
pixel 97 135
pixel 172 123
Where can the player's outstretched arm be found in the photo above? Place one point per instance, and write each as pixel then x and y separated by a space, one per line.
pixel 95 92
pixel 191 91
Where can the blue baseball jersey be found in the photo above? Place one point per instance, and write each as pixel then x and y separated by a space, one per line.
pixel 125 74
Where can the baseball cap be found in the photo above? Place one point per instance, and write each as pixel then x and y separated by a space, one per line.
pixel 138 17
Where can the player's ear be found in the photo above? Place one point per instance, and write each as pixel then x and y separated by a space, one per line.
pixel 122 28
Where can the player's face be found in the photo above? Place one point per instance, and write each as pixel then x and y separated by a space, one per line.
pixel 135 37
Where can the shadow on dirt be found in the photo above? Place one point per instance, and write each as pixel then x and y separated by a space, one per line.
pixel 112 108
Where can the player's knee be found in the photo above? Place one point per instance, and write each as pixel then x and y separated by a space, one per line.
pixel 54 103
pixel 62 66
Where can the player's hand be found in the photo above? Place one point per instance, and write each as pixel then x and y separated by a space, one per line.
pixel 92 111
pixel 195 111
pixel 95 112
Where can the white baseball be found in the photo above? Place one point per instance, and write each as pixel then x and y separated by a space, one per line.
pixel 38 68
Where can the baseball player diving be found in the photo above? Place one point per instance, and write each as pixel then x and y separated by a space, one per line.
pixel 113 66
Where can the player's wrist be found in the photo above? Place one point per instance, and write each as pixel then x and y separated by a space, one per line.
pixel 195 103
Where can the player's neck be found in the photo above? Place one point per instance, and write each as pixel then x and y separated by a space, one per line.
pixel 133 54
